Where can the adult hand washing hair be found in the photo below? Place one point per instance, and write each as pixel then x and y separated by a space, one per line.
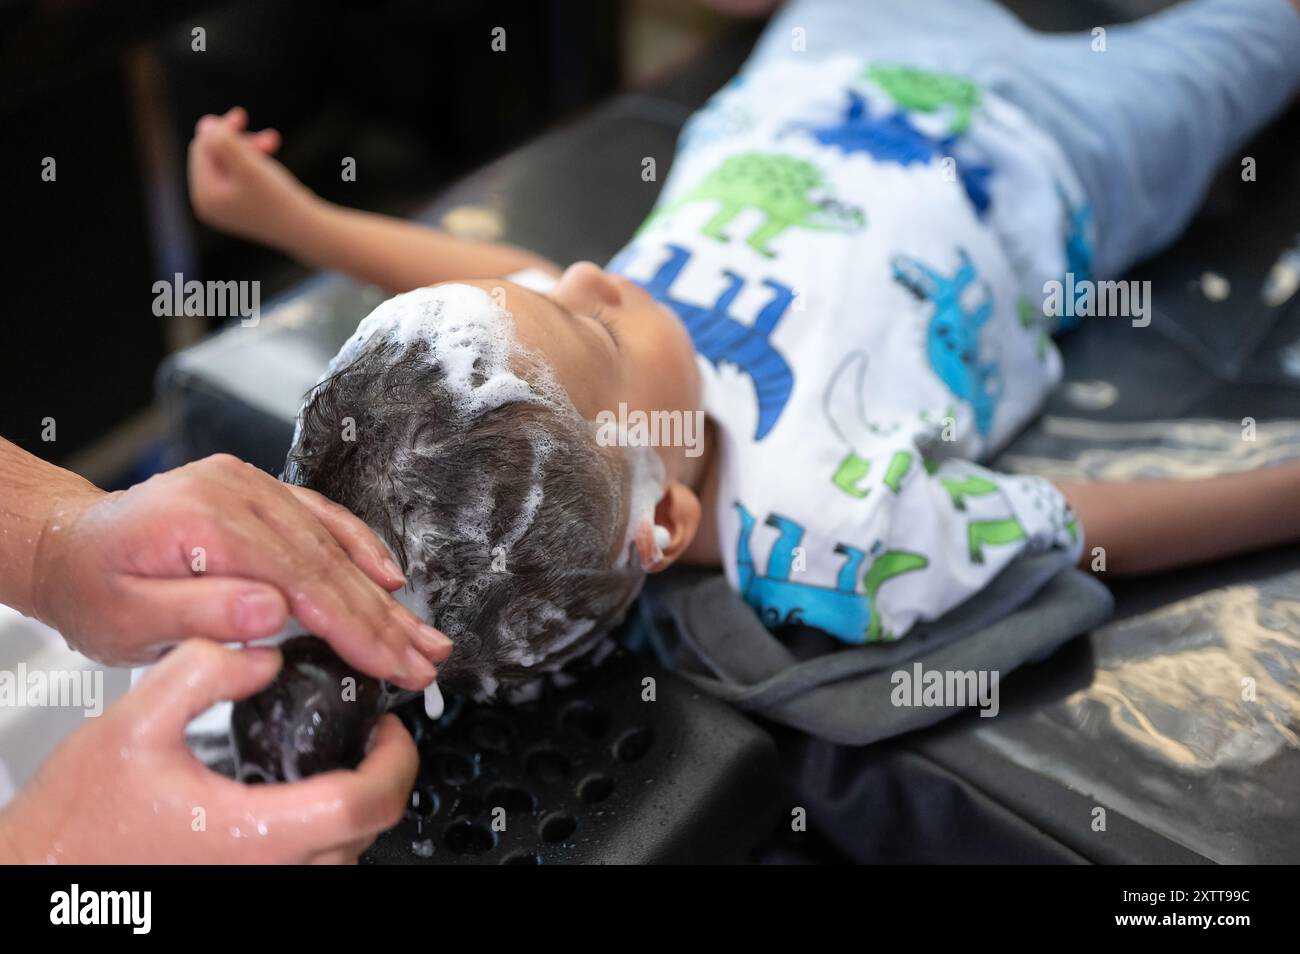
pixel 219 551
pixel 126 789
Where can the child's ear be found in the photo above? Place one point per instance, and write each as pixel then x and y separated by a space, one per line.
pixel 677 517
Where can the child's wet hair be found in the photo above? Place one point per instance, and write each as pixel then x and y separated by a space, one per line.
pixel 475 468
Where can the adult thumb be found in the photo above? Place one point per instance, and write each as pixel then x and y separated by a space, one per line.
pixel 192 678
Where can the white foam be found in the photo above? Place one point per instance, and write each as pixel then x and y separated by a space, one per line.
pixel 517 649
pixel 462 329
pixel 662 537
pixel 433 701
pixel 465 331
pixel 645 480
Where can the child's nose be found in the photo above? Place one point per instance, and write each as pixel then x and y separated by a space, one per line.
pixel 585 284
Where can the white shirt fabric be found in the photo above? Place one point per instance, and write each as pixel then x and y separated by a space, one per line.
pixel 863 283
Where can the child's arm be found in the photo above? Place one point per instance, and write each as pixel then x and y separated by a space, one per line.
pixel 1146 526
pixel 236 186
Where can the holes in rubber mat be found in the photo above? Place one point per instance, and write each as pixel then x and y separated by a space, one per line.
pixel 548 765
pixel 594 789
pixel 466 837
pixel 454 768
pixel 534 783
pixel 585 720
pixel 492 733
pixel 515 800
pixel 424 803
pixel 468 806
pixel 633 745
pixel 557 827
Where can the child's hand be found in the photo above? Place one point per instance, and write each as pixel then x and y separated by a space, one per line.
pixel 124 789
pixel 235 184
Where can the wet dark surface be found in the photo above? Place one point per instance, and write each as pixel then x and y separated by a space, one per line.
pixel 315 716
pixel 593 771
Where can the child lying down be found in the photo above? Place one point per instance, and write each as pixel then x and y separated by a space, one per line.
pixel 845 280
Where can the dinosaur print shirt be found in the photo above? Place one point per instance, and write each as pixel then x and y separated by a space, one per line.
pixel 858 251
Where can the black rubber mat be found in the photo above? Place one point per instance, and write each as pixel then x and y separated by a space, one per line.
pixel 594 771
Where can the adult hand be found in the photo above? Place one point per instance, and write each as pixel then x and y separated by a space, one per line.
pixel 125 789
pixel 221 550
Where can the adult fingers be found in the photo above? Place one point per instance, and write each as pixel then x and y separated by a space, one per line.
pixel 333 811
pixel 258 529
pixel 225 609
pixel 331 577
pixel 360 542
pixel 256 540
pixel 368 552
pixel 192 678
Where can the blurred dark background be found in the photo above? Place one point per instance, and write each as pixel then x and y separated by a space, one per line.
pixel 111 91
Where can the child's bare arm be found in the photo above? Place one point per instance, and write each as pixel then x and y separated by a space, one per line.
pixel 237 186
pixel 1146 526
pixel 398 255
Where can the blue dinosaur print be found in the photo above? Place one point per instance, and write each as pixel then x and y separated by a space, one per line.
pixel 720 336
pixel 952 340
pixel 1078 253
pixel 893 138
pixel 840 611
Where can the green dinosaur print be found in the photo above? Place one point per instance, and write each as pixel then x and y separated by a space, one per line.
pixel 899 465
pixel 970 486
pixel 853 470
pixel 983 532
pixel 888 565
pixel 781 187
pixel 924 91
pixel 1032 319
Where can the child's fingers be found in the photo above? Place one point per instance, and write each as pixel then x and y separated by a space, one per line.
pixel 205 124
pixel 267 140
pixel 237 118
pixel 227 147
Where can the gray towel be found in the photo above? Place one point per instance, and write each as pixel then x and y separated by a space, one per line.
pixel 714 639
